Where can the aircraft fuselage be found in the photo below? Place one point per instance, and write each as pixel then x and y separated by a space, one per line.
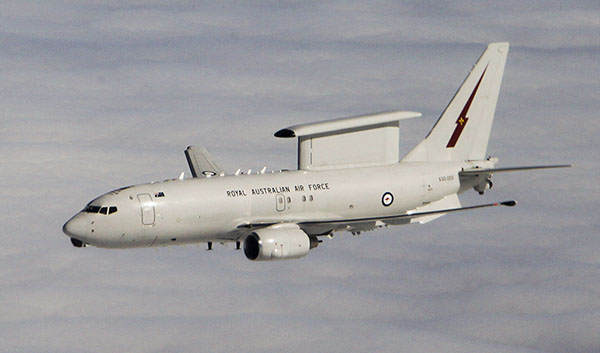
pixel 217 208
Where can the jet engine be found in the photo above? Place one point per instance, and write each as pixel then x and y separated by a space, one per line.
pixel 278 242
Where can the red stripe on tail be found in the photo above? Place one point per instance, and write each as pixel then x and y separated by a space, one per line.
pixel 462 120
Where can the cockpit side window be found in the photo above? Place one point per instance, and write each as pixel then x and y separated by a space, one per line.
pixel 112 209
pixel 104 210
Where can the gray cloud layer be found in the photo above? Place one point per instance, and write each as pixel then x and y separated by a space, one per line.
pixel 100 94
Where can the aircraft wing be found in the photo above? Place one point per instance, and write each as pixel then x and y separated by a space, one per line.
pixel 326 226
pixel 201 162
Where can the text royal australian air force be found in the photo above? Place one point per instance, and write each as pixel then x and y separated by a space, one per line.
pixel 271 190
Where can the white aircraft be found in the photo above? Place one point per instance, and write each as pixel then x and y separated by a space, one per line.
pixel 350 177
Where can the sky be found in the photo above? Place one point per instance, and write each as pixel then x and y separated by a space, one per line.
pixel 100 94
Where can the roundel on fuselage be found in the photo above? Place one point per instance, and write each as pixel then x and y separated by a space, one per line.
pixel 387 199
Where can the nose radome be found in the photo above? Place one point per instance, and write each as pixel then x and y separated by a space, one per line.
pixel 75 227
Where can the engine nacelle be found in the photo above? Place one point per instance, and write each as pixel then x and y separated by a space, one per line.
pixel 278 242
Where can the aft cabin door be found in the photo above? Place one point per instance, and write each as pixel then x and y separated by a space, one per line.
pixel 147 206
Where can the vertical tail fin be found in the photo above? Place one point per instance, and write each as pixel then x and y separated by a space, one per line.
pixel 463 130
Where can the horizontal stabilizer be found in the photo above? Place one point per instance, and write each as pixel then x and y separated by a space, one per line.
pixel 201 162
pixel 511 169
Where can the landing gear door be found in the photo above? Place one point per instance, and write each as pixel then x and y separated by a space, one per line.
pixel 147 206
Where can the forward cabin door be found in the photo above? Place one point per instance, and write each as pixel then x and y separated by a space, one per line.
pixel 148 211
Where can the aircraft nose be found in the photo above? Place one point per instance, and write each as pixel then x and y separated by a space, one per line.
pixel 76 227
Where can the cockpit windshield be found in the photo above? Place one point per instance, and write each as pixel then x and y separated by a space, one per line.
pixel 105 210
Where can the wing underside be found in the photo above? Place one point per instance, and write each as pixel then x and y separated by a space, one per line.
pixel 327 226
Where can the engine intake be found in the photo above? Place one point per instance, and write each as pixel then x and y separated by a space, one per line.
pixel 278 242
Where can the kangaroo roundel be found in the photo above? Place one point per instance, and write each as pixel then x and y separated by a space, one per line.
pixel 387 199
